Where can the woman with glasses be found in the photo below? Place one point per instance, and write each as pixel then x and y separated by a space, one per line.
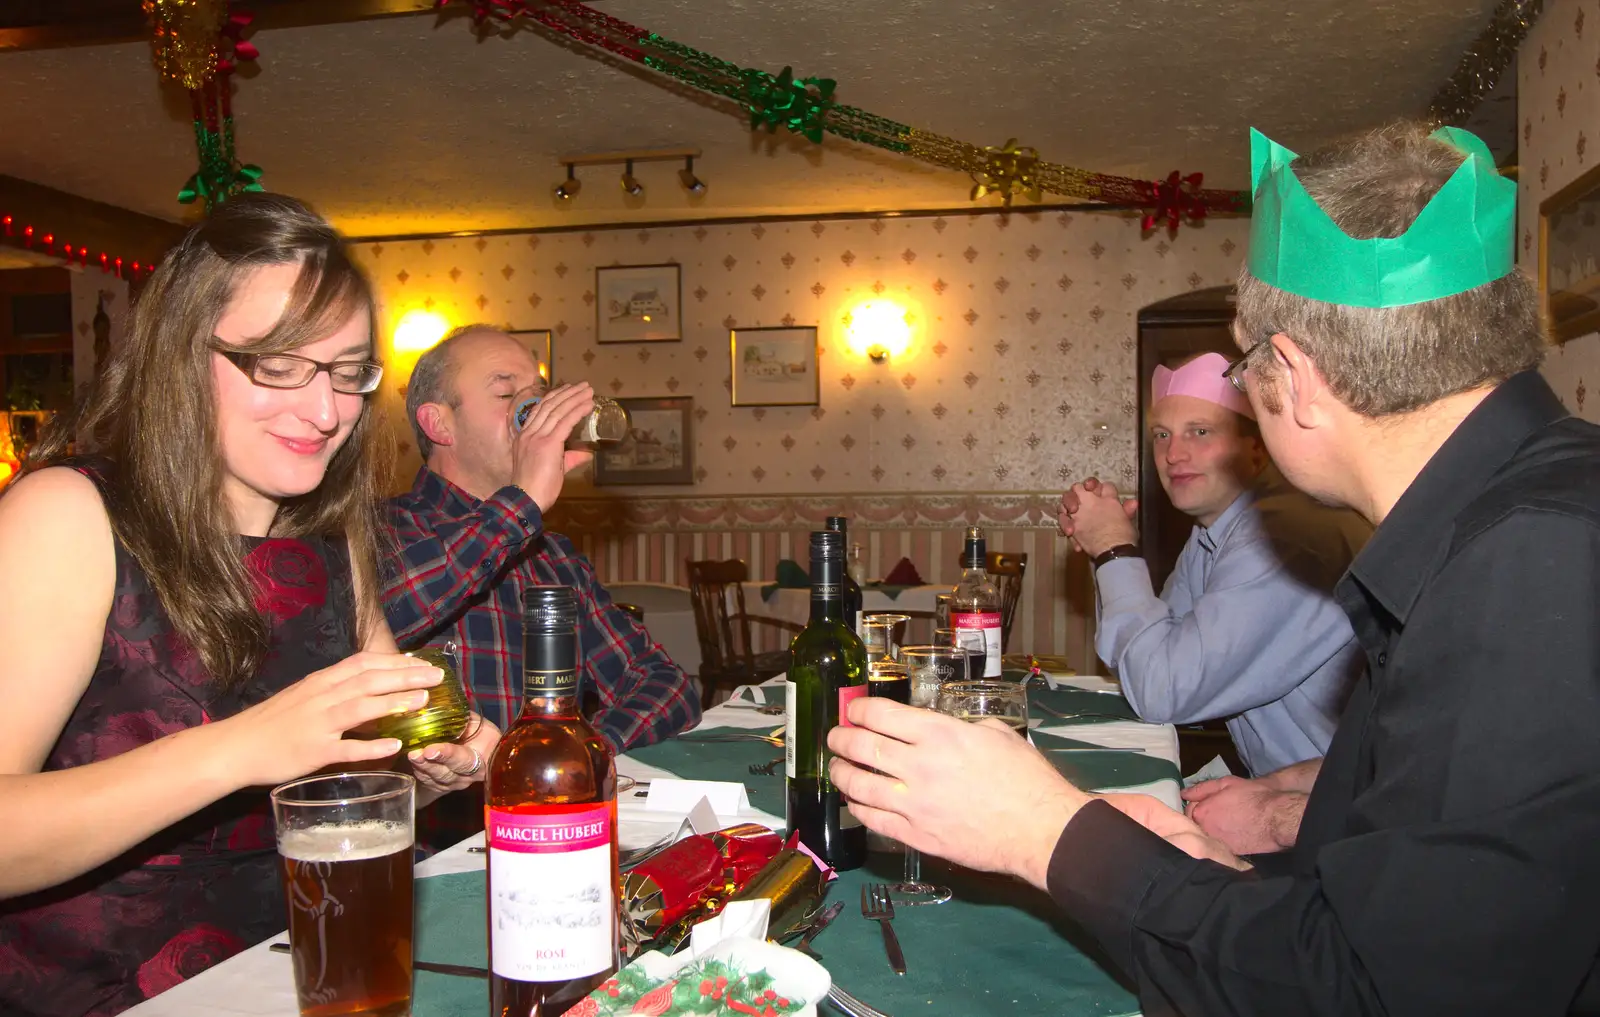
pixel 191 617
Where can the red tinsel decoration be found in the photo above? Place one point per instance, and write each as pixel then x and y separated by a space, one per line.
pixel 1174 199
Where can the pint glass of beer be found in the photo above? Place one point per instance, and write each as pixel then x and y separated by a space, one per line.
pixel 345 842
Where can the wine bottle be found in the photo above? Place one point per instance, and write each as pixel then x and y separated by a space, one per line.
pixel 551 820
pixel 852 589
pixel 975 606
pixel 827 669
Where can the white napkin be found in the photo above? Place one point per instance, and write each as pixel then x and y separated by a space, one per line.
pixel 1213 770
pixel 738 919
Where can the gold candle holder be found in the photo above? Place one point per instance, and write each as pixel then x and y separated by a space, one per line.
pixel 445 715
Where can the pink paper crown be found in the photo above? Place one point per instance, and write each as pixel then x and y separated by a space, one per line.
pixel 1201 378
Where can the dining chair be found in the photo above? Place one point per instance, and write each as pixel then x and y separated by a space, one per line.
pixel 1007 569
pixel 727 657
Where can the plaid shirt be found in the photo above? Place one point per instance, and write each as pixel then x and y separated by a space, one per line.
pixel 463 566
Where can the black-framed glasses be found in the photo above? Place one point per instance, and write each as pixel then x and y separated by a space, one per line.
pixel 287 370
pixel 1236 369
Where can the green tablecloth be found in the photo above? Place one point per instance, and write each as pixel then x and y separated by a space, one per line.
pixel 999 946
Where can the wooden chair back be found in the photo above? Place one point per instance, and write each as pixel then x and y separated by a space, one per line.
pixel 1007 568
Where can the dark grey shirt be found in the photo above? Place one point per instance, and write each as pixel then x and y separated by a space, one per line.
pixel 1448 861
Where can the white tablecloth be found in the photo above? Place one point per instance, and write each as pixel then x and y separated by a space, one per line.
pixel 260 983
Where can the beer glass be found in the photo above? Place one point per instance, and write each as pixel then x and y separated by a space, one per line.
pixel 345 843
pixel 881 633
pixel 975 700
pixel 607 422
pixel 931 666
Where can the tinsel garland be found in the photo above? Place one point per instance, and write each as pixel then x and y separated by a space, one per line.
pixel 1483 63
pixel 196 44
pixel 806 106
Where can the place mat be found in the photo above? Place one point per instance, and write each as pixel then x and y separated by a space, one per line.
pixel 1007 936
pixel 721 761
pixel 1090 771
pixel 1101 769
pixel 1096 707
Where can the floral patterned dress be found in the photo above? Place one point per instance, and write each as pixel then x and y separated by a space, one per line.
pixel 204 889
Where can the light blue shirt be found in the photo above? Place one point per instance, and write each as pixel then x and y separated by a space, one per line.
pixel 1246 628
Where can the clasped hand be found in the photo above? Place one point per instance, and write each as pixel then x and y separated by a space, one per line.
pixel 1095 518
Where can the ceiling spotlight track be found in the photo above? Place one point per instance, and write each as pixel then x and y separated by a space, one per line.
pixel 691 183
pixel 568 189
pixel 632 186
pixel 630 183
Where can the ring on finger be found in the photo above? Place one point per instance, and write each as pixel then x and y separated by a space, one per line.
pixel 477 764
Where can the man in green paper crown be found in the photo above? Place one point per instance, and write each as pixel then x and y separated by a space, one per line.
pixel 1446 862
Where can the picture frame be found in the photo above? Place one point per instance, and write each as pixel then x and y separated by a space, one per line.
pixel 659 448
pixel 1569 257
pixel 638 303
pixel 774 366
pixel 541 343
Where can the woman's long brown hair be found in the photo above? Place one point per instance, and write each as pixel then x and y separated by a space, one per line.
pixel 153 414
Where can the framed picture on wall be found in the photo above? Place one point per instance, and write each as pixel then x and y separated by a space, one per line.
pixel 541 343
pixel 1569 257
pixel 638 304
pixel 775 366
pixel 659 448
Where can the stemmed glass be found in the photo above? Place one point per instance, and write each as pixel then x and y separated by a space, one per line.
pixel 881 633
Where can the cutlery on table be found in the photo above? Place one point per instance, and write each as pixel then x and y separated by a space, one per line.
pixel 463 970
pixel 733 736
pixel 1041 707
pixel 766 769
pixel 877 907
pixel 821 922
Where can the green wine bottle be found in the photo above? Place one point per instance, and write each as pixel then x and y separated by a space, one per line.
pixel 828 668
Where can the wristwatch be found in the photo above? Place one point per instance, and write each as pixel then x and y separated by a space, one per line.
pixel 1120 551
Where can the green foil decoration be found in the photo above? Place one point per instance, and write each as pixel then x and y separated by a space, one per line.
pixel 799 104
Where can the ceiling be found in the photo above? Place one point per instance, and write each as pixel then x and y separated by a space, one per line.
pixel 410 124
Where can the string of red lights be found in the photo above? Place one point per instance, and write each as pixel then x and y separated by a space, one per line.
pixel 35 238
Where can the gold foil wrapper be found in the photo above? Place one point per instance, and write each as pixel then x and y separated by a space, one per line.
pixel 794 885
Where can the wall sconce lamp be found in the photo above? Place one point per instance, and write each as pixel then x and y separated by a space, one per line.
pixel 569 189
pixel 691 183
pixel 632 186
pixel 419 331
pixel 878 330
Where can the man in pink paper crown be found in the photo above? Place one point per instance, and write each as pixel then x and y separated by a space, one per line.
pixel 1246 628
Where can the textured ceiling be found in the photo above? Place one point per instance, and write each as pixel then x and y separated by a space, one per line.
pixel 411 125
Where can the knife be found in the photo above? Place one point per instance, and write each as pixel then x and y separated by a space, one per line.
pixel 463 970
pixel 822 922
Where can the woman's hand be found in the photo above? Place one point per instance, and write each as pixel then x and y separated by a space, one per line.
pixel 451 766
pixel 302 729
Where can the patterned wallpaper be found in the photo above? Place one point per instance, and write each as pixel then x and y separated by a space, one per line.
pixel 1558 102
pixel 1019 377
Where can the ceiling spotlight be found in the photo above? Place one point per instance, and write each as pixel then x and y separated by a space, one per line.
pixel 569 189
pixel 691 183
pixel 630 183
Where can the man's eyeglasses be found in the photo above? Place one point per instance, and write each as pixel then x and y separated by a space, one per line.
pixel 1236 369
pixel 286 370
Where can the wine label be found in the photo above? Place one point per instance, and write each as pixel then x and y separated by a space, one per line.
pixel 552 893
pixel 968 626
pixel 848 694
pixel 788 729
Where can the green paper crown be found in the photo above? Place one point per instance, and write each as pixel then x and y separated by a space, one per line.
pixel 1462 239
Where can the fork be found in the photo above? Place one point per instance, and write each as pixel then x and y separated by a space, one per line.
pixel 1074 716
pixel 877 907
pixel 766 769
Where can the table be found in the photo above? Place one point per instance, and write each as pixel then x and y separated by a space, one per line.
pixel 794 604
pixel 258 983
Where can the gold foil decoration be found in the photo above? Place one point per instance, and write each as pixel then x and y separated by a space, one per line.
pixel 1008 171
pixel 794 885
pixel 185 38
